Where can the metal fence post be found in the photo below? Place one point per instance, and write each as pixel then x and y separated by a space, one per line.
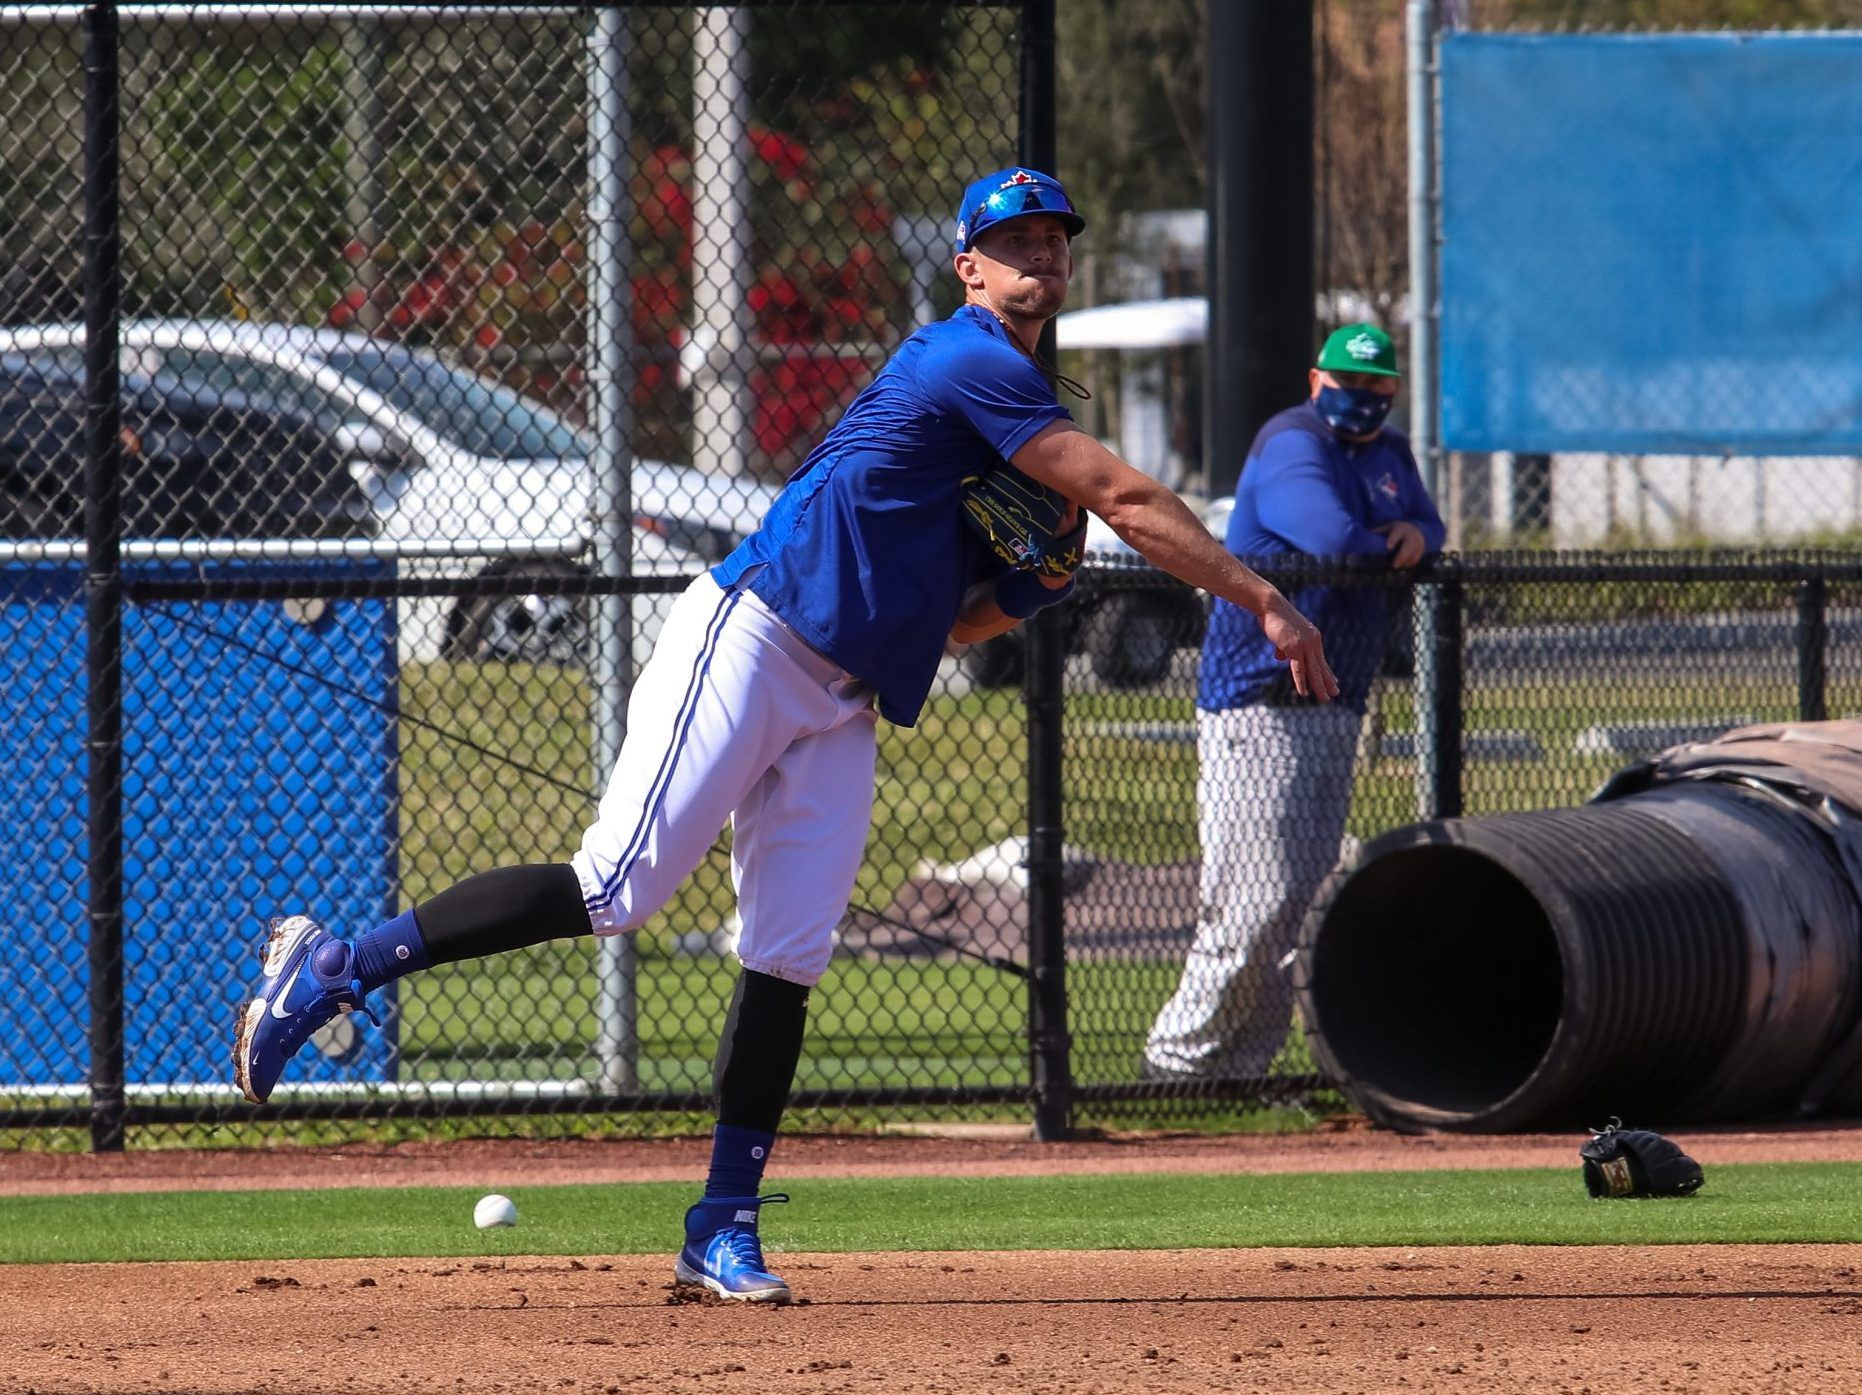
pixel 611 459
pixel 1049 1046
pixel 720 349
pixel 1441 719
pixel 362 126
pixel 1424 428
pixel 1259 255
pixel 103 579
pixel 1813 642
pixel 1049 1040
pixel 1432 686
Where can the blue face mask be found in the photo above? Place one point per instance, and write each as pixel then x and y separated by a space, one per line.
pixel 1355 411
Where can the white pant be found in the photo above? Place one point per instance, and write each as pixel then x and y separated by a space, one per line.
pixel 1272 792
pixel 735 717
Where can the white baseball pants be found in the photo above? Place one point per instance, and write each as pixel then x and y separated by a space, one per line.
pixel 736 718
pixel 1273 790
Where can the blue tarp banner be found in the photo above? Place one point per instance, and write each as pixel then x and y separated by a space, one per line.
pixel 260 759
pixel 1652 243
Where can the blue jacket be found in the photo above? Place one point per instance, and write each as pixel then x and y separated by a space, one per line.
pixel 1305 491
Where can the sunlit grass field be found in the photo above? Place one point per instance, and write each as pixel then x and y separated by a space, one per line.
pixel 504 775
pixel 1741 1203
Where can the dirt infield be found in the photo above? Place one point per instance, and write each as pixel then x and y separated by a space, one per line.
pixel 1711 1320
pixel 1681 1319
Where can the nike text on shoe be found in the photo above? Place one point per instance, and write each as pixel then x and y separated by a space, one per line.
pixel 309 978
pixel 722 1252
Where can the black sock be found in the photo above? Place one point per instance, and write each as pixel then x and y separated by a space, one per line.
pixel 506 909
pixel 758 1051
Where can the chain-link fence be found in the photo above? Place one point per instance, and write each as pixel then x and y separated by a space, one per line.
pixel 1661 373
pixel 448 341
pixel 1511 681
pixel 451 339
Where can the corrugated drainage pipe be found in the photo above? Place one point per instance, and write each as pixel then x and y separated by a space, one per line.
pixel 1688 952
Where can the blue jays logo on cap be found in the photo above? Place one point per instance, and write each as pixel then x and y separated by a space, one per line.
pixel 1012 193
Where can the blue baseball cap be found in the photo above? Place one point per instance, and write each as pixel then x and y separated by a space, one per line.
pixel 1012 193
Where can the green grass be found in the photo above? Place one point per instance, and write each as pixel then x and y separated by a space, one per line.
pixel 954 785
pixel 1590 602
pixel 879 1023
pixel 957 783
pixel 1811 1202
pixel 530 1016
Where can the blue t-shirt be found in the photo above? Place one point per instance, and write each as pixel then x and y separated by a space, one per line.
pixel 1304 490
pixel 866 553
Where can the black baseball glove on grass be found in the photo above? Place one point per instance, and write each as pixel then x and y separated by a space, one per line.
pixel 1637 1162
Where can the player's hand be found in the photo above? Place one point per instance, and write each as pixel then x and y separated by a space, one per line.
pixel 1296 639
pixel 1404 540
pixel 1070 549
pixel 981 618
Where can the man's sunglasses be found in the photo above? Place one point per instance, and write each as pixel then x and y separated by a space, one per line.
pixel 1018 199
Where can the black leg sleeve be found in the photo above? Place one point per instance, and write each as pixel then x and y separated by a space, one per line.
pixel 757 1052
pixel 506 909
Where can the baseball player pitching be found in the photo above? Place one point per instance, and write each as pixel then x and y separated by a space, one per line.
pixel 761 700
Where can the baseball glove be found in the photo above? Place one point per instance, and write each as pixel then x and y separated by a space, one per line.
pixel 1018 516
pixel 1636 1162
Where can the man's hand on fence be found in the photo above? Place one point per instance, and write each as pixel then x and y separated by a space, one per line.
pixel 1405 541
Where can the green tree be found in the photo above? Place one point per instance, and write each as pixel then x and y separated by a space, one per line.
pixel 41 218
pixel 1131 102
pixel 232 169
pixel 1361 156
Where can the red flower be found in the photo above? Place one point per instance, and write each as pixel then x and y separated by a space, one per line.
pixel 659 303
pixel 667 209
pixel 782 311
pixel 343 313
pixel 782 153
pixel 667 159
pixel 869 214
pixel 796 397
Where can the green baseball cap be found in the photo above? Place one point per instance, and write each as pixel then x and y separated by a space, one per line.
pixel 1359 348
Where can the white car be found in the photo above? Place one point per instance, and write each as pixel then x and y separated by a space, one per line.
pixel 461 474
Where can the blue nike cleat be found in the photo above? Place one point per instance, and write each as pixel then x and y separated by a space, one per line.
pixel 722 1252
pixel 309 979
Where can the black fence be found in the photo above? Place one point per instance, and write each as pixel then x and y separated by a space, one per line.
pixel 371 377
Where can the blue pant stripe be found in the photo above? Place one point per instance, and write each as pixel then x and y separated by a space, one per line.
pixel 669 760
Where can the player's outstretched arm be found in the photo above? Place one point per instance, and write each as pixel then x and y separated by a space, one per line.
pixel 1161 528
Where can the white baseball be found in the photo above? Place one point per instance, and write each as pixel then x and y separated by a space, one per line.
pixel 494 1210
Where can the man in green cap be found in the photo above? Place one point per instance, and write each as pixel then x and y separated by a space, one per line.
pixel 1324 479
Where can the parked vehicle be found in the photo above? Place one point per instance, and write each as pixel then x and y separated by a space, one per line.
pixel 437 454
pixel 198 462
